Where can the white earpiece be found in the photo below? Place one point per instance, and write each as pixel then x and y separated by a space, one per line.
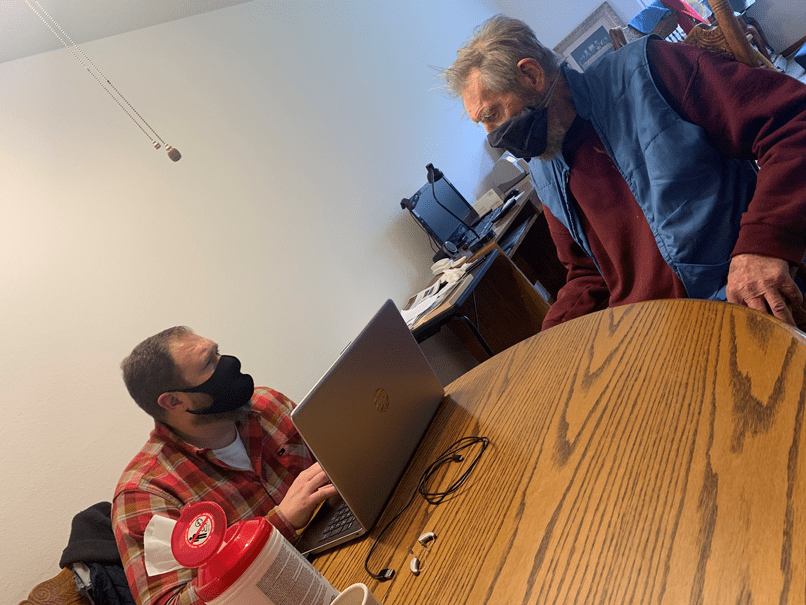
pixel 425 540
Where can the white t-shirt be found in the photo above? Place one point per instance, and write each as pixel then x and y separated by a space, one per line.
pixel 235 455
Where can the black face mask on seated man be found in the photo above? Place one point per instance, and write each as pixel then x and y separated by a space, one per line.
pixel 228 386
pixel 525 134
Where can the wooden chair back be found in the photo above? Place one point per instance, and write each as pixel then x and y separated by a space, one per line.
pixel 727 37
pixel 59 590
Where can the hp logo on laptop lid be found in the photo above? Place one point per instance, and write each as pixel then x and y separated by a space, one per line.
pixel 381 400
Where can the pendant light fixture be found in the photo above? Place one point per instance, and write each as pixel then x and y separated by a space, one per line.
pixel 102 80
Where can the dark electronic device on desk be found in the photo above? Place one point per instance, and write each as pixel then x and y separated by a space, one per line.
pixel 447 217
pixel 509 204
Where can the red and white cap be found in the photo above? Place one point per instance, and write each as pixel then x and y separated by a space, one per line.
pixel 202 540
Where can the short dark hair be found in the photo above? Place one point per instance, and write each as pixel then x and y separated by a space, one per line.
pixel 150 370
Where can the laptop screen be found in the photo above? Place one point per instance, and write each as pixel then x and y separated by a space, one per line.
pixel 437 221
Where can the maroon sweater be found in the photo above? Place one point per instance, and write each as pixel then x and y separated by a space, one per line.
pixel 747 112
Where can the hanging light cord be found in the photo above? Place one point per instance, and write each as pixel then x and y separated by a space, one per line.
pixel 172 152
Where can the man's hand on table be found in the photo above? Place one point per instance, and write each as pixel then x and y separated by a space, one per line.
pixel 763 283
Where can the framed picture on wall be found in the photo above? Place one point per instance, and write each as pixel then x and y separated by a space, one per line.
pixel 591 38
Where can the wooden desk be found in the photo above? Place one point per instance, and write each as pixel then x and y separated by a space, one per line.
pixel 508 302
pixel 498 308
pixel 651 453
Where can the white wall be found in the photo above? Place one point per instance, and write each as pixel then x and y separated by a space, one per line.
pixel 279 233
pixel 783 21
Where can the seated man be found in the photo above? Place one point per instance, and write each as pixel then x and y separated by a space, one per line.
pixel 644 165
pixel 217 438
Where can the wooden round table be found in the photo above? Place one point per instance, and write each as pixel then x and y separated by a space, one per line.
pixel 651 453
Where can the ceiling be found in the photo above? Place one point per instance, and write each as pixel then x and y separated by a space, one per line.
pixel 22 32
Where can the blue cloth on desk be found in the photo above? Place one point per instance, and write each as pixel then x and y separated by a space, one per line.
pixel 649 17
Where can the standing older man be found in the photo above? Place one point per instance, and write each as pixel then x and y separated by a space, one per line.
pixel 217 438
pixel 644 166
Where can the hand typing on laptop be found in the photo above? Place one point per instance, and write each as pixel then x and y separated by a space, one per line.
pixel 309 490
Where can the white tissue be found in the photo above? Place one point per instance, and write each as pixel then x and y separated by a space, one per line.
pixel 450 276
pixel 159 558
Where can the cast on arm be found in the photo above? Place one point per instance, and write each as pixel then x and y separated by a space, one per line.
pixel 585 290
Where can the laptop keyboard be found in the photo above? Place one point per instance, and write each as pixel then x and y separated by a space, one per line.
pixel 342 521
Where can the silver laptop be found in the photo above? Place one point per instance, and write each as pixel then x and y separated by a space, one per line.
pixel 363 421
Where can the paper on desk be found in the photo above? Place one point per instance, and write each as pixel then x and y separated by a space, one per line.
pixel 432 296
pixel 427 293
pixel 410 316
pixel 487 202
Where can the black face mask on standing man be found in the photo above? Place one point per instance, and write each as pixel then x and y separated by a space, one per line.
pixel 525 135
pixel 228 386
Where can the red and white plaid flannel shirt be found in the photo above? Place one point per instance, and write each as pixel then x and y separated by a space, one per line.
pixel 169 473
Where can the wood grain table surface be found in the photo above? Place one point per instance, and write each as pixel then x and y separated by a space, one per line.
pixel 651 453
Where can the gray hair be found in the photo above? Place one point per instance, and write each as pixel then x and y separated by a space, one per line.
pixel 150 370
pixel 495 49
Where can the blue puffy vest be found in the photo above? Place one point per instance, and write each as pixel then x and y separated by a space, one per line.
pixel 693 197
